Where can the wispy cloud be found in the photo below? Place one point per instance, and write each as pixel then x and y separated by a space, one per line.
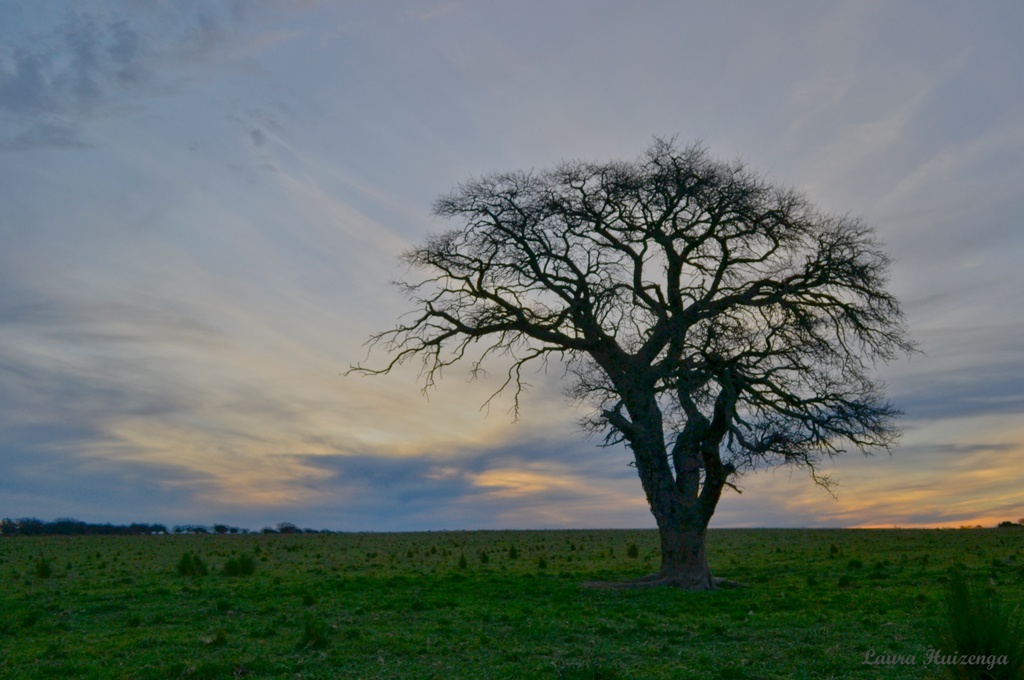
pixel 74 62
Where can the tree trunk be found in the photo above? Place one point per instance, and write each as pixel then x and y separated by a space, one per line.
pixel 684 562
pixel 682 525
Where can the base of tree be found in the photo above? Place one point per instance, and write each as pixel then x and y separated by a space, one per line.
pixel 659 581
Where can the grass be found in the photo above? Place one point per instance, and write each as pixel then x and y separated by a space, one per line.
pixel 427 605
pixel 981 626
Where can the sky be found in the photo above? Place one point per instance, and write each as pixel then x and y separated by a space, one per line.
pixel 203 206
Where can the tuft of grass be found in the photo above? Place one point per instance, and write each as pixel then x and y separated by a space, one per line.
pixel 978 624
pixel 239 566
pixel 633 550
pixel 30 618
pixel 314 633
pixel 584 671
pixel 43 569
pixel 191 565
pixel 219 638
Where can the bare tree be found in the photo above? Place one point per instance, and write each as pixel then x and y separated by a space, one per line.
pixel 716 323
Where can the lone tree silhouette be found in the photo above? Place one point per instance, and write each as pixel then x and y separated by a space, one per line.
pixel 715 322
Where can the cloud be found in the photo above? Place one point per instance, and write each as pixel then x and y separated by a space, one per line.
pixel 51 471
pixel 536 482
pixel 44 474
pixel 52 82
pixel 432 13
pixel 45 136
pixel 964 471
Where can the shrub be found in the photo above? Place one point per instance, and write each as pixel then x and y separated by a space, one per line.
pixel 43 568
pixel 191 565
pixel 854 564
pixel 239 566
pixel 632 550
pixel 978 624
pixel 462 562
pixel 512 553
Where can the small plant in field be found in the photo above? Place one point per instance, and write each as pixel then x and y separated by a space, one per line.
pixel 308 600
pixel 239 566
pixel 219 638
pixel 314 633
pixel 588 671
pixel 512 554
pixel 633 551
pixel 462 562
pixel 854 564
pixel 484 558
pixel 43 568
pixel 978 624
pixel 191 565
pixel 542 563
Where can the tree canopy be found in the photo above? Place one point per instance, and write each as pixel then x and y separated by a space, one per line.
pixel 715 322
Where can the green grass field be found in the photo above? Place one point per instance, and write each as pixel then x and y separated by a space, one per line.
pixel 483 604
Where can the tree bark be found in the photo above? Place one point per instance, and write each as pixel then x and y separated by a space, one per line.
pixel 684 562
pixel 682 520
pixel 682 531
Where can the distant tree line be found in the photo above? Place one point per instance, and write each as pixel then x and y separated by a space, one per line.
pixel 30 526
